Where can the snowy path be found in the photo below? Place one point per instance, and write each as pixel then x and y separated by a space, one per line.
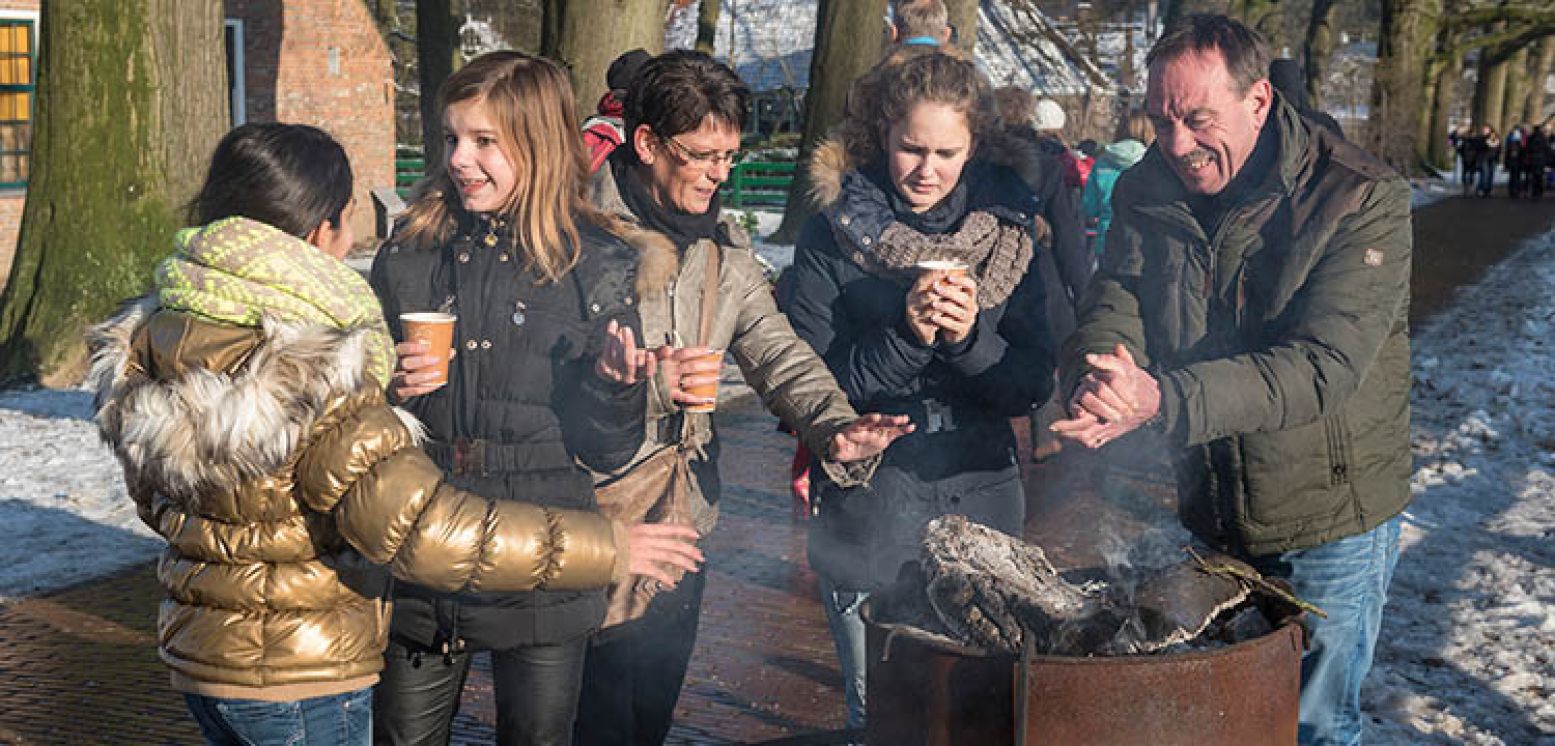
pixel 1467 651
pixel 1468 645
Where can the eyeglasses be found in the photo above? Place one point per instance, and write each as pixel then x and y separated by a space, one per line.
pixel 704 158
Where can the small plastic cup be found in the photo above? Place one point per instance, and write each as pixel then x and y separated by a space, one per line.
pixel 435 330
pixel 707 390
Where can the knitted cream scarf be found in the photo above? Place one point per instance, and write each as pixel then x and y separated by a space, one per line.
pixel 996 252
pixel 238 271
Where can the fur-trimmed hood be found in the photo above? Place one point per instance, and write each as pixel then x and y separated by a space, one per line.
pixel 832 160
pixel 193 407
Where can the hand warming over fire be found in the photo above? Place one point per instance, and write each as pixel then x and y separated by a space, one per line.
pixel 652 546
pixel 867 436
pixel 1114 399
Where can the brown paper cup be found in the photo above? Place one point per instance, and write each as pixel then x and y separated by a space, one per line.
pixel 436 331
pixel 709 390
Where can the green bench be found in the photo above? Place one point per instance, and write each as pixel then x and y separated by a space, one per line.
pixel 758 184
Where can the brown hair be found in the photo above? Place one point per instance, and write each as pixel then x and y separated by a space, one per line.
pixel 906 77
pixel 1244 50
pixel 531 102
pixel 914 18
pixel 1016 106
pixel 1135 125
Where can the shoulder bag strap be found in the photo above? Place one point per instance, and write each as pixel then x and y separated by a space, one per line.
pixel 709 294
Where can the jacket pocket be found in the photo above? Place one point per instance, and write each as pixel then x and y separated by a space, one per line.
pixel 1296 474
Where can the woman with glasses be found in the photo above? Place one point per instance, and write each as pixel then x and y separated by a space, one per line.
pixel 683 118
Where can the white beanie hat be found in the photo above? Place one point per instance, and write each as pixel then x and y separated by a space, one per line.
pixel 1049 116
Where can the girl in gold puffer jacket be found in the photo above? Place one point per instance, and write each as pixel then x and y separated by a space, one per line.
pixel 244 399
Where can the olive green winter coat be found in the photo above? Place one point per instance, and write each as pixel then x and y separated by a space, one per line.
pixel 1281 343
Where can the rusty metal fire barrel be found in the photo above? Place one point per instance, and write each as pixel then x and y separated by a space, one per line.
pixel 923 691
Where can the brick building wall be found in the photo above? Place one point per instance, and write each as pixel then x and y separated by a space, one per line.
pixel 12 200
pixel 322 62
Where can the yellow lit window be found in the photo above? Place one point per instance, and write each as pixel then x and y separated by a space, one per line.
pixel 18 86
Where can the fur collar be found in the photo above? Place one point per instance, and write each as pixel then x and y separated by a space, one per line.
pixel 832 160
pixel 205 431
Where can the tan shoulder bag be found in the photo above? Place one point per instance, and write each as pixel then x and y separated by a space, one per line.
pixel 657 490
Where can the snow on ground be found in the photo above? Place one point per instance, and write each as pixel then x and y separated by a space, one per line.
pixel 66 514
pixel 1467 651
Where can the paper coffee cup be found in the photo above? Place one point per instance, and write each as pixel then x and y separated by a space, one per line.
pixel 708 390
pixel 943 265
pixel 436 331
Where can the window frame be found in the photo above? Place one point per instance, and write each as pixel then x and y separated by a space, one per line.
pixel 30 19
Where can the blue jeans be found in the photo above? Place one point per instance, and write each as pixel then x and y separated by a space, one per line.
pixel 338 720
pixel 1348 579
pixel 847 633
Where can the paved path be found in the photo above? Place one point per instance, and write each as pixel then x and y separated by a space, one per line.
pixel 80 666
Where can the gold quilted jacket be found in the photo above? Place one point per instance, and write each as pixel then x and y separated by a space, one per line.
pixel 287 490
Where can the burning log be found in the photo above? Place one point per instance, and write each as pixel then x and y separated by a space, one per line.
pixel 998 593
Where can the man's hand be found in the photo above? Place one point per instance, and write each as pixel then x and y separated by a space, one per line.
pixel 1114 399
pixel 867 436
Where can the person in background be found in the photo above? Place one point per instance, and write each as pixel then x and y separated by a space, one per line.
pixel 1086 159
pixel 920 171
pixel 1133 137
pixel 244 399
pixel 1489 157
pixel 1474 147
pixel 1063 260
pixel 1515 159
pixel 1290 81
pixel 683 120
pixel 604 132
pixel 1540 153
pixel 1280 372
pixel 920 22
pixel 502 236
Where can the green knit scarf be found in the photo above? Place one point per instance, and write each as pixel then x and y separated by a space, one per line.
pixel 238 270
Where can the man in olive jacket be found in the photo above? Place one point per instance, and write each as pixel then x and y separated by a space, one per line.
pixel 1252 308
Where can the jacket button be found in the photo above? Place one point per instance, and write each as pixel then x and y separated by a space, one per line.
pixel 485 344
pixel 464 257
pixel 502 257
pixel 864 240
pixel 627 300
pixel 846 220
pixel 470 344
pixel 1340 471
pixel 594 308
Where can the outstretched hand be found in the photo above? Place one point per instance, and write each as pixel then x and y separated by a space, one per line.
pixel 868 435
pixel 655 547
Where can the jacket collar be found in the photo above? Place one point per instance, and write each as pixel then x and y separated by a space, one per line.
pixel 658 261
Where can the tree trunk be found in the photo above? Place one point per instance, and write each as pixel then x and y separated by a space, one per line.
pixel 846 46
pixel 1408 31
pixel 592 33
pixel 963 18
pixel 114 160
pixel 1318 48
pixel 1543 65
pixel 437 50
pixel 707 25
pixel 1446 85
pixel 1515 92
pixel 1490 89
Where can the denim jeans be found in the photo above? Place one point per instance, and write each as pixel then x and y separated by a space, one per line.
pixel 847 633
pixel 338 720
pixel 1348 579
